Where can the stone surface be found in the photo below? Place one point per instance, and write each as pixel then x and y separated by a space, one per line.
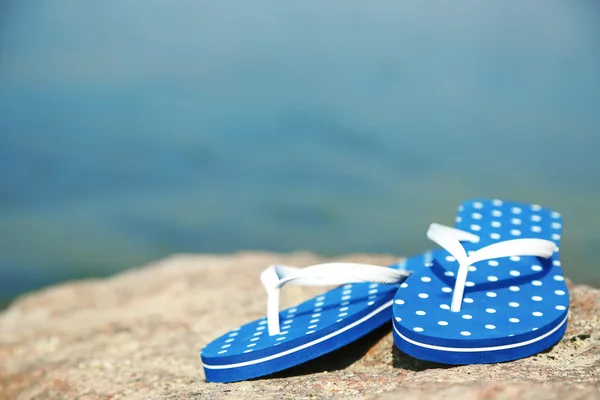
pixel 137 335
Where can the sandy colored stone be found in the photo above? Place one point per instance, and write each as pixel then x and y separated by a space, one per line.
pixel 137 335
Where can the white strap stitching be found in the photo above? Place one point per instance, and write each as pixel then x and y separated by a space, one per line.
pixel 517 247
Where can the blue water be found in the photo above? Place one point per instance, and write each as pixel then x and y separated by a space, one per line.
pixel 133 130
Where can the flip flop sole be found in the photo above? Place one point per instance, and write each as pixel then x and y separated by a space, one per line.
pixel 342 335
pixel 460 356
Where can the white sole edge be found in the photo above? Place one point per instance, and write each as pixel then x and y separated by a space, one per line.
pixel 305 345
pixel 477 349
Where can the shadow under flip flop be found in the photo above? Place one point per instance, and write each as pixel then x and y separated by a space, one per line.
pixel 337 360
pixel 405 361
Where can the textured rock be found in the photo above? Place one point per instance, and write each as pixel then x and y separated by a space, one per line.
pixel 137 335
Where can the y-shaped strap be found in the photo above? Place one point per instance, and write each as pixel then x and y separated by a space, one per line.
pixel 444 236
pixel 274 277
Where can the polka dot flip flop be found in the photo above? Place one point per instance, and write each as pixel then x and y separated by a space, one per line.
pixel 312 328
pixel 499 297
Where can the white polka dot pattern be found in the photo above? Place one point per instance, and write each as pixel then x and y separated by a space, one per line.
pixel 509 297
pixel 310 319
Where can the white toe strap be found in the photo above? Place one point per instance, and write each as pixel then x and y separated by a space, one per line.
pixel 275 276
pixel 444 236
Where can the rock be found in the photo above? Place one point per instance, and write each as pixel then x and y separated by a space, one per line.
pixel 137 335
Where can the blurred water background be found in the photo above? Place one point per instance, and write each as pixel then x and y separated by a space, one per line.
pixel 131 130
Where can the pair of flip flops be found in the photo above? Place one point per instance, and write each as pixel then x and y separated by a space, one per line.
pixel 493 292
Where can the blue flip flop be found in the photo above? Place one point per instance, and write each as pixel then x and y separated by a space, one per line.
pixel 500 296
pixel 312 328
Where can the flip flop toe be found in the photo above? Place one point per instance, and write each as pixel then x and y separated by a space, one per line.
pixel 497 297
